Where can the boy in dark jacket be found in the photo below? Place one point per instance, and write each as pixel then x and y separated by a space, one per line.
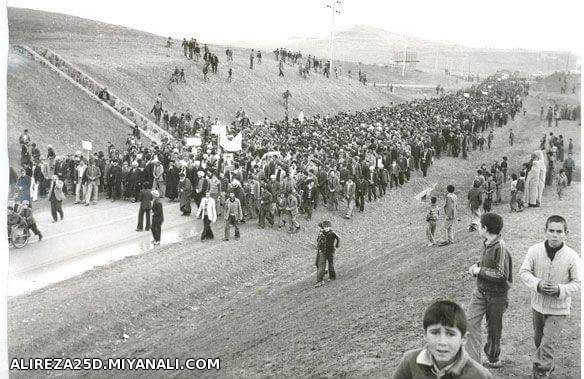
pixel 157 217
pixel 444 355
pixel 489 299
pixel 327 242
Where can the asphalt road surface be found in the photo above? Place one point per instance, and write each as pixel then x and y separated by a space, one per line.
pixel 88 237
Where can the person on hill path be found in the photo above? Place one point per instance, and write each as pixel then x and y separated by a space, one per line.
pixel 157 217
pixel 562 183
pixel 432 218
pixel 286 95
pixel 450 215
pixel 327 242
pixel 233 215
pixel 475 200
pixel 251 58
pixel 208 213
pixel 569 167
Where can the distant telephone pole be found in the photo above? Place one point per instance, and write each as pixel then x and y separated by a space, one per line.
pixel 567 60
pixel 334 5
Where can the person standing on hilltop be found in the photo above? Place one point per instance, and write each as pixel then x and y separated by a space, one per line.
pixel 251 58
pixel 185 46
pixel 286 95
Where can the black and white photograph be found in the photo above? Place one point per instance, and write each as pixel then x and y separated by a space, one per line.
pixel 308 188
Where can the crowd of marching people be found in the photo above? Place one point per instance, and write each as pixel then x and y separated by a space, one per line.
pixel 289 168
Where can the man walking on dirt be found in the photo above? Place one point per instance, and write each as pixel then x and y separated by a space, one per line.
pixel 286 95
pixel 326 244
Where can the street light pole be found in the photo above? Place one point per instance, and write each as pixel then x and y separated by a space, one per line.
pixel 334 5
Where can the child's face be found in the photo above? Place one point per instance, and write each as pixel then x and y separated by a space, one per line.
pixel 444 343
pixel 555 234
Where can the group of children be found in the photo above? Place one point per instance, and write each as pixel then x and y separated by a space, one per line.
pixel 486 191
pixel 454 344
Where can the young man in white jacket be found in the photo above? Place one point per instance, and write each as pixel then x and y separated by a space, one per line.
pixel 208 213
pixel 551 270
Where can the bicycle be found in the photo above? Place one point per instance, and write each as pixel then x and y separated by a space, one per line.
pixel 18 231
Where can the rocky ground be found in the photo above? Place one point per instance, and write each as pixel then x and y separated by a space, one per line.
pixel 252 302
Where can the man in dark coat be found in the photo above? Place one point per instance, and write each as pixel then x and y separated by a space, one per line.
pixel 115 180
pixel 157 217
pixel 184 194
pixel 133 184
pixel 266 201
pixel 145 199
pixel 327 242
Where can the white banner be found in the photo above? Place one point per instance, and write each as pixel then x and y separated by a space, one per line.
pixel 233 144
pixel 193 141
pixel 218 129
pixel 86 145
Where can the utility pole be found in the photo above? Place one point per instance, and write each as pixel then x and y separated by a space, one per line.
pixel 335 6
pixel 405 59
pixel 567 60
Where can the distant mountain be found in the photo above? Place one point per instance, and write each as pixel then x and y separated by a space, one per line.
pixel 367 44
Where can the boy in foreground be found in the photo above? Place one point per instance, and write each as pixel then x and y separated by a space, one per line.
pixel 551 270
pixel 444 354
pixel 489 299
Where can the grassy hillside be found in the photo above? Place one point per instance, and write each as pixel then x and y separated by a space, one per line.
pixel 54 111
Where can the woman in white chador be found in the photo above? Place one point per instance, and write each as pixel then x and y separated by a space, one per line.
pixel 532 182
pixel 542 173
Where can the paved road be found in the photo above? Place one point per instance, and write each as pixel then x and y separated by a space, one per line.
pixel 86 238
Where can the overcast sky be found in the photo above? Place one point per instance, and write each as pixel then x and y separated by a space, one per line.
pixel 541 25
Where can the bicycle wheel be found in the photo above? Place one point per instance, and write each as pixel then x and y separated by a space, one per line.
pixel 20 236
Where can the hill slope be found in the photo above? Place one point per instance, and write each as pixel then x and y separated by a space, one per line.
pixel 136 66
pixel 54 111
